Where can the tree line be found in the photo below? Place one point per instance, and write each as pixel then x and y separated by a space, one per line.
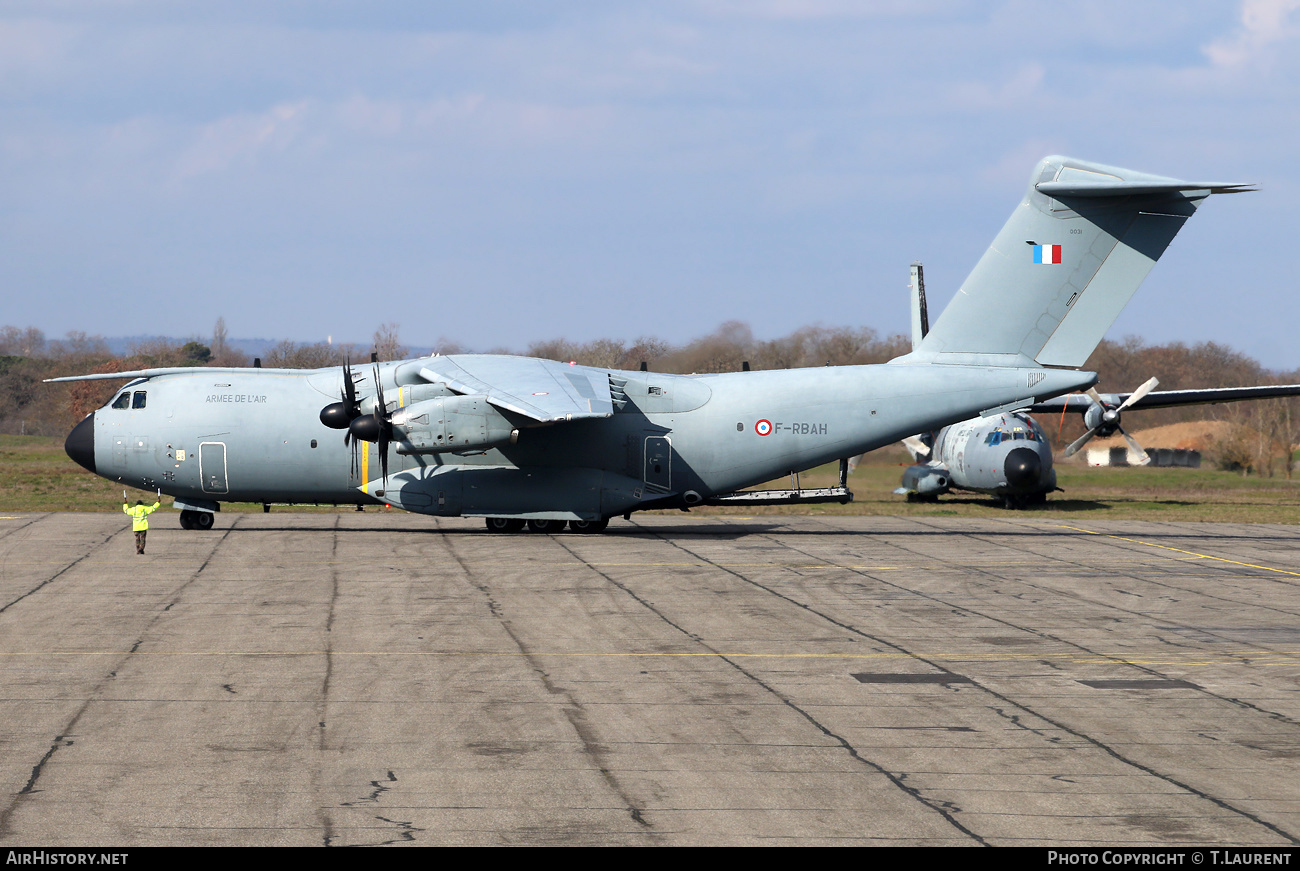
pixel 1271 427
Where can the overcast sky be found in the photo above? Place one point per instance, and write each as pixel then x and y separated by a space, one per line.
pixel 497 173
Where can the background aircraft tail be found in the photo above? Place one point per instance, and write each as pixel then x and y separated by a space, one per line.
pixel 1064 266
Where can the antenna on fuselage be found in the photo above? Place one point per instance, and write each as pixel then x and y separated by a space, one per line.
pixel 920 316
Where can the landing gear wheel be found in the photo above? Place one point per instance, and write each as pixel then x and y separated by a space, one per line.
pixel 590 527
pixel 197 519
pixel 545 526
pixel 504 524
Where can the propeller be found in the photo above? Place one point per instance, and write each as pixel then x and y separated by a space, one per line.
pixel 376 427
pixel 339 415
pixel 1104 420
pixel 917 445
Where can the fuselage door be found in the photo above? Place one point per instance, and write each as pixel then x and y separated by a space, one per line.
pixel 212 467
pixel 658 463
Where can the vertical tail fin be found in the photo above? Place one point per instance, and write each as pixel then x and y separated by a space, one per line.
pixel 1066 263
pixel 920 314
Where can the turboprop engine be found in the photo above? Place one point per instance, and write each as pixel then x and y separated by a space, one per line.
pixel 450 423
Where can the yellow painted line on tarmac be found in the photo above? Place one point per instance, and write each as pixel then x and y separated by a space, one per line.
pixel 703 564
pixel 1191 553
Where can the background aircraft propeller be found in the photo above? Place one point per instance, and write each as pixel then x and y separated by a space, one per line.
pixel 918 447
pixel 1103 418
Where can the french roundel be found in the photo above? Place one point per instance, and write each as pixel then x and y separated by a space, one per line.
pixel 763 427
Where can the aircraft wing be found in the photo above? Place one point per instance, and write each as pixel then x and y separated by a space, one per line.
pixel 544 390
pixel 1080 402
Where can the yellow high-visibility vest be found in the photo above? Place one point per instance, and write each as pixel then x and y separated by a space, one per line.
pixel 139 515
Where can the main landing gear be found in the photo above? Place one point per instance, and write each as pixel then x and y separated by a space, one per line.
pixel 546 527
pixel 197 519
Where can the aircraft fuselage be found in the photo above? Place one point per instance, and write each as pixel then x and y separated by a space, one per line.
pixel 207 436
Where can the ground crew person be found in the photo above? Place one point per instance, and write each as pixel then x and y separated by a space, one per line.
pixel 139 513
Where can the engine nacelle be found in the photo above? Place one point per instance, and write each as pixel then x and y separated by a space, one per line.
pixel 450 423
pixel 926 480
pixel 1102 418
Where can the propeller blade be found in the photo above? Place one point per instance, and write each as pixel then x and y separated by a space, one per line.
pixel 381 408
pixel 385 425
pixel 1096 397
pixel 349 386
pixel 918 447
pixel 853 462
pixel 1137 448
pixel 1146 388
pixel 339 415
pixel 1078 443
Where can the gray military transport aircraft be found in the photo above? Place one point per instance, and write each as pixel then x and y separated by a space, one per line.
pixel 518 441
pixel 1007 455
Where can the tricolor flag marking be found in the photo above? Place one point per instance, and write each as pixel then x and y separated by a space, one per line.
pixel 1047 253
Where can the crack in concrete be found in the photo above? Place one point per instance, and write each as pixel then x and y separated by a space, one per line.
pixel 572 710
pixel 69 729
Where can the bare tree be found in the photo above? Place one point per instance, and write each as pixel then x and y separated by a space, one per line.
pixel 554 349
pixel 21 343
pixel 648 350
pixel 219 336
pixel 290 355
pixel 77 344
pixel 387 345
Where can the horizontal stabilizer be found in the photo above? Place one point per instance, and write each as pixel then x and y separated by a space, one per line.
pixel 1134 188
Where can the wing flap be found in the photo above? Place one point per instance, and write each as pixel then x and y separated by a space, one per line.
pixel 543 390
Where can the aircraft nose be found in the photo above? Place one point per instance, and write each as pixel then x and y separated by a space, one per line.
pixel 1023 468
pixel 81 443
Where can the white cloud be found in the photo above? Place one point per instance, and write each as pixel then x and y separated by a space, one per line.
pixel 239 138
pixel 1264 24
pixel 1014 92
pixel 805 10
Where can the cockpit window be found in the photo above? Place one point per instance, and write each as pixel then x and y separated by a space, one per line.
pixel 1019 436
pixel 993 438
pixel 138 400
pixel 123 401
